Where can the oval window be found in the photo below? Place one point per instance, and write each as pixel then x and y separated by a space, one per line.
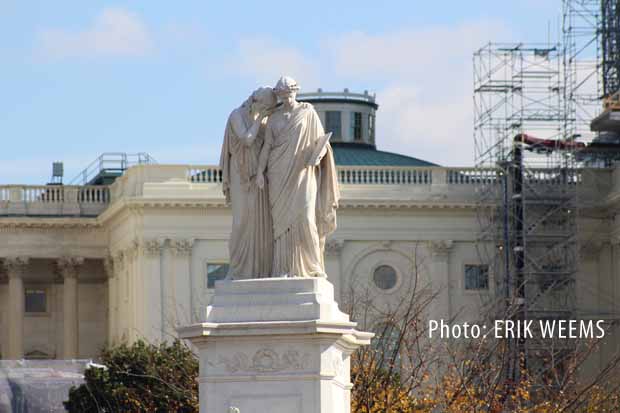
pixel 385 277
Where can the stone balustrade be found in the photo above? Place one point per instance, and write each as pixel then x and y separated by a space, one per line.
pixel 374 175
pixel 396 175
pixel 204 174
pixel 53 200
pixel 458 184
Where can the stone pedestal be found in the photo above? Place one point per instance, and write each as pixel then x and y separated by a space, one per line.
pixel 277 345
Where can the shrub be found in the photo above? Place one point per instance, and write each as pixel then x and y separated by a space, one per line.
pixel 139 378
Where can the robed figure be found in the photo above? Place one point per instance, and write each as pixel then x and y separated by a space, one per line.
pixel 302 184
pixel 251 240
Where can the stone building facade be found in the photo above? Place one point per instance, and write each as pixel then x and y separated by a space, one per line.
pixel 84 266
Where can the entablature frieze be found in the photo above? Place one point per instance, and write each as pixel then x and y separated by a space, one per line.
pixel 152 247
pixel 39 224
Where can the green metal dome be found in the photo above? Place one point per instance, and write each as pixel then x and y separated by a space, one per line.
pixel 355 154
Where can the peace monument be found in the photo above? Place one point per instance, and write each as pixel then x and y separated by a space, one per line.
pixel 274 339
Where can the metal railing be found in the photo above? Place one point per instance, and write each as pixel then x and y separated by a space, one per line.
pixel 345 94
pixel 115 162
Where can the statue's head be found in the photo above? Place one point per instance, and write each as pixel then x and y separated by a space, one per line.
pixel 286 89
pixel 262 99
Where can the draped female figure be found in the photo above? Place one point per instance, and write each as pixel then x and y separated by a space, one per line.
pixel 251 239
pixel 302 185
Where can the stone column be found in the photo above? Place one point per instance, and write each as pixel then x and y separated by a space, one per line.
pixel 16 268
pixel 182 297
pixel 134 290
pixel 333 251
pixel 151 252
pixel 587 295
pixel 440 280
pixel 69 269
pixel 108 267
pixel 118 297
pixel 167 290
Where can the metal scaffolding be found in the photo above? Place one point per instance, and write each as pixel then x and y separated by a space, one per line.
pixel 610 44
pixel 527 204
pixel 581 39
pixel 545 118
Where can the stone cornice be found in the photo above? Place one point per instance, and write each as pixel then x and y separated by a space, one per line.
pixel 136 205
pixel 139 203
pixel 395 204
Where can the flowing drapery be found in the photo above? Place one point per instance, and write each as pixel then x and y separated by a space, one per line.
pixel 251 240
pixel 303 197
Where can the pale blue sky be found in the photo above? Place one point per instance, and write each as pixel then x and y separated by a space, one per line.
pixel 79 78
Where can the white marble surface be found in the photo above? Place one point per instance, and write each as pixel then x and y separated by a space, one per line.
pixel 275 345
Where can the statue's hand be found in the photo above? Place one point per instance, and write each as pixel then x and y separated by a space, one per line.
pixel 260 181
pixel 267 112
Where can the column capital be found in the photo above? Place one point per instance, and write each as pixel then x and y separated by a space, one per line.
pixel 108 267
pixel 440 248
pixel 334 247
pixel 182 247
pixel 132 250
pixel 69 266
pixel 152 247
pixel 118 261
pixel 15 266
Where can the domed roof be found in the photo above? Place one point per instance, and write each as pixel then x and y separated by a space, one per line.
pixel 354 154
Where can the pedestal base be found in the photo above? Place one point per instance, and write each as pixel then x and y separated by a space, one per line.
pixel 275 345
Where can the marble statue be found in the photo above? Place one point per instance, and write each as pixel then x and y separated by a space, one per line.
pixel 251 239
pixel 280 176
pixel 301 183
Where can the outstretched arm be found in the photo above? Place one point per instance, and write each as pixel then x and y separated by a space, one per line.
pixel 264 156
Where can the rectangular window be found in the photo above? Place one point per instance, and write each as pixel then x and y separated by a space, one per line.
pixel 216 272
pixel 476 277
pixel 371 128
pixel 356 126
pixel 333 123
pixel 35 300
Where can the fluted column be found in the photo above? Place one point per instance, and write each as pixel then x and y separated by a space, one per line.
pixel 118 299
pixel 153 295
pixel 181 296
pixel 440 280
pixel 108 266
pixel 15 268
pixel 332 257
pixel 69 269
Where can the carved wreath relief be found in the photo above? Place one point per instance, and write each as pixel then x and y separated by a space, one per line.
pixel 265 360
